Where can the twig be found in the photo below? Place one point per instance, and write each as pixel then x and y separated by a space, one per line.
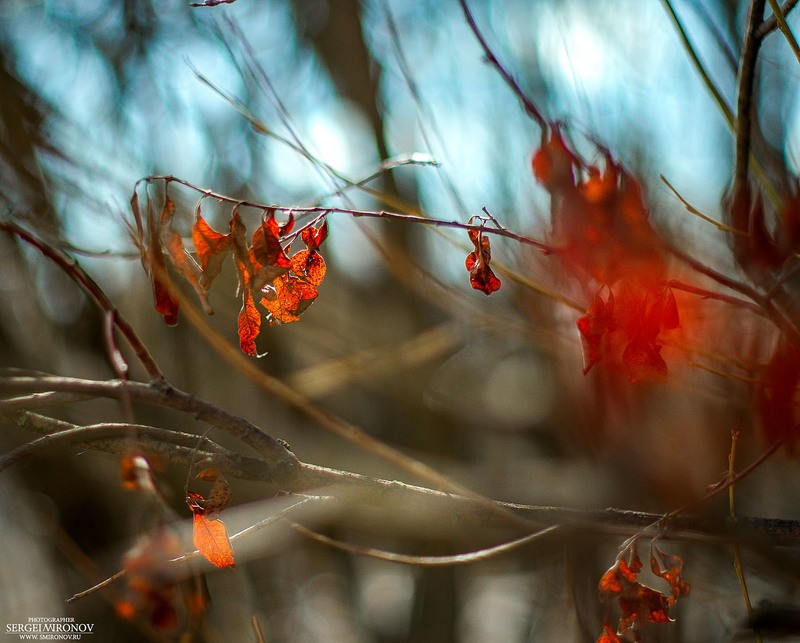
pixel 737 554
pixel 72 269
pixel 710 294
pixel 784 27
pixel 527 103
pixel 771 23
pixel 745 86
pixel 277 456
pixel 690 208
pixel 426 561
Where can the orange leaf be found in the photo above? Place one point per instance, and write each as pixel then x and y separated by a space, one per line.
pixel 287 298
pixel 267 255
pixel 481 276
pixel 209 533
pixel 609 635
pixel 212 248
pixel 309 266
pixel 211 538
pixel 670 568
pixel 249 324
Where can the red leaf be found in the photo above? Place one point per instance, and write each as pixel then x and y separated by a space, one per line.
pixel 481 276
pixel 776 395
pixel 151 589
pixel 313 237
pixel 266 253
pixel 609 635
pixel 643 361
pixel 249 324
pixel 172 242
pixel 670 568
pixel 553 164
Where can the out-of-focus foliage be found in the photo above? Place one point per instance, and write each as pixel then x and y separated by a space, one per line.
pixel 290 103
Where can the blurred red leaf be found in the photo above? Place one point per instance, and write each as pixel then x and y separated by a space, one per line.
pixel 609 635
pixel 776 395
pixel 594 327
pixel 135 472
pixel 481 276
pixel 151 588
pixel 553 163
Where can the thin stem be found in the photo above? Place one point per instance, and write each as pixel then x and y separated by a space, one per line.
pixel 784 27
pixel 745 87
pixel 737 554
pixel 275 453
pixel 71 268
pixel 771 23
pixel 527 103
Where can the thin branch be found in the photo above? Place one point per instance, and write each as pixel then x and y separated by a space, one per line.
pixel 527 103
pixel 374 214
pixel 71 268
pixel 778 14
pixel 726 110
pixel 710 294
pixel 426 561
pixel 771 23
pixel 745 87
pixel 690 208
pixel 277 456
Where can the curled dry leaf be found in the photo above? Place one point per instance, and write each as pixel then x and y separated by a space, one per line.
pixel 481 276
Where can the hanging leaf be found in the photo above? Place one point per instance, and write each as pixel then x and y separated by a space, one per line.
pixel 249 324
pixel 165 300
pixel 267 255
pixel 209 533
pixel 212 248
pixel 481 276
pixel 172 242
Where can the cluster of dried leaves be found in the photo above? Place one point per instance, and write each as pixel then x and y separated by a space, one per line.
pixel 636 601
pixel 157 591
pixel 284 286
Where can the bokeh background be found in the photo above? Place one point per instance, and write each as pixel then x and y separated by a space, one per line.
pixel 96 95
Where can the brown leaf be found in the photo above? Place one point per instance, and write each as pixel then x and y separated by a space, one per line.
pixel 166 302
pixel 172 242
